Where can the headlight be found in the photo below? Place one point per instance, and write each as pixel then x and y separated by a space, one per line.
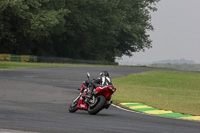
pixel 113 90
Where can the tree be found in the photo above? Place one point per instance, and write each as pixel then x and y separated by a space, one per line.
pixel 133 35
pixel 86 29
pixel 92 28
pixel 24 22
pixel 104 29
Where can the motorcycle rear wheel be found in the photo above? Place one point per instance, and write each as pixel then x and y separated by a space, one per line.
pixel 73 106
pixel 98 106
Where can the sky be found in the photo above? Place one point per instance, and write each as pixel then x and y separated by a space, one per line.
pixel 176 33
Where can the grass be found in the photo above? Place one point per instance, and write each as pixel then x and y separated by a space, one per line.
pixel 175 91
pixel 16 65
pixel 4 65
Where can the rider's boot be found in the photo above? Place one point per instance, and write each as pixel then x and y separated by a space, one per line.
pixel 89 95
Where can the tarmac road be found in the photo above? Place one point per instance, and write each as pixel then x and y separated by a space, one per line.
pixel 37 100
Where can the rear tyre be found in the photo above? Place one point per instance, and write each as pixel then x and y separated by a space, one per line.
pixel 73 106
pixel 98 106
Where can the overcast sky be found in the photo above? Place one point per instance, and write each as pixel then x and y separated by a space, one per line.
pixel 176 34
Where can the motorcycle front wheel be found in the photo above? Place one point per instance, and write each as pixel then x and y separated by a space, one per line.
pixel 73 106
pixel 93 110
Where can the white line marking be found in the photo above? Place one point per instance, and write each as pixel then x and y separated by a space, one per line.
pixel 14 131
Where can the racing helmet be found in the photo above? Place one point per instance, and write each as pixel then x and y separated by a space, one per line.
pixel 104 73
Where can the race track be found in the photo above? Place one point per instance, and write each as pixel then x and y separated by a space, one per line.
pixel 37 100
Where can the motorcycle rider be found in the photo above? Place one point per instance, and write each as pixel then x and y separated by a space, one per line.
pixel 103 80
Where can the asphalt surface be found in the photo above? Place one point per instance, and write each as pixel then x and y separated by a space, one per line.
pixel 37 100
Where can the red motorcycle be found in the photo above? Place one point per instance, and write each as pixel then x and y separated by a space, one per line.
pixel 101 98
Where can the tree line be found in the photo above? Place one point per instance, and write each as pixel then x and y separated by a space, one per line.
pixel 178 66
pixel 79 29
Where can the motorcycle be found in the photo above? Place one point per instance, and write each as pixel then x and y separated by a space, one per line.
pixel 101 98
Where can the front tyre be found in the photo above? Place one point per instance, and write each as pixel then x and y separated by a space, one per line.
pixel 93 110
pixel 73 106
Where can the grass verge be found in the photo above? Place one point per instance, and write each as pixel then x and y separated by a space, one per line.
pixel 16 65
pixel 175 91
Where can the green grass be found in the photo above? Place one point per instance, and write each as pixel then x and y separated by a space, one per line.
pixel 175 91
pixel 16 65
